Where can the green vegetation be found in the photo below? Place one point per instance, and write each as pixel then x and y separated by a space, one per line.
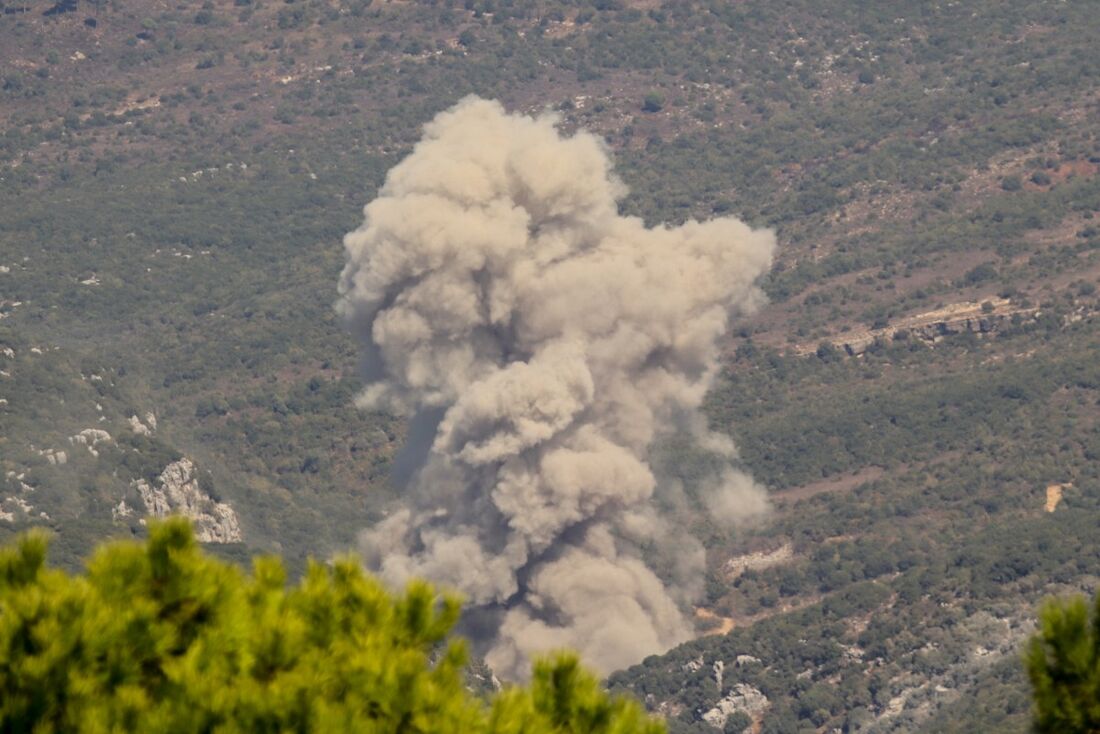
pixel 160 637
pixel 176 181
pixel 1063 662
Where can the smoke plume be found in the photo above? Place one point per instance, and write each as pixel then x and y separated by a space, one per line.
pixel 540 344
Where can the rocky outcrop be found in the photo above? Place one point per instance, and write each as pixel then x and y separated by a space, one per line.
pixel 692 666
pixel 90 438
pixel 121 510
pixel 742 697
pixel 737 565
pixel 146 428
pixel 54 456
pixel 177 492
pixel 931 326
pixel 13 508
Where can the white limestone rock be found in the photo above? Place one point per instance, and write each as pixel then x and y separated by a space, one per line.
pixel 90 438
pixel 177 491
pixel 691 666
pixel 54 456
pixel 138 427
pixel 744 698
pixel 759 560
pixel 122 510
pixel 12 507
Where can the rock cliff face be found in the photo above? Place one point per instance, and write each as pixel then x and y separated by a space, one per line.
pixel 177 491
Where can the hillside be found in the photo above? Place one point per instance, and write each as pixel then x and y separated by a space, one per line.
pixel 177 178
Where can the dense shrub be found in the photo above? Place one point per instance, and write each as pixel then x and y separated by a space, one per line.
pixel 161 637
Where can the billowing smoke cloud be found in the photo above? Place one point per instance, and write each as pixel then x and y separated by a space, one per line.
pixel 540 344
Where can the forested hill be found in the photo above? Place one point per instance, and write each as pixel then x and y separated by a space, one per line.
pixel 920 395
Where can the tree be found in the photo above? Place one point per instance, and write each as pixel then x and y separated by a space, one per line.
pixel 737 722
pixel 654 102
pixel 1063 662
pixel 161 637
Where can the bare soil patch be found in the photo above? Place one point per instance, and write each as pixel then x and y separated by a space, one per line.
pixel 844 483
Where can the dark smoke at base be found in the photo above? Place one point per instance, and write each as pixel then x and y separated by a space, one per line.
pixel 547 342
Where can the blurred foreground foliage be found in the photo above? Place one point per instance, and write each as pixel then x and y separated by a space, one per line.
pixel 161 637
pixel 1063 662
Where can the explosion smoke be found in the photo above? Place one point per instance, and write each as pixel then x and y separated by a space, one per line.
pixel 540 343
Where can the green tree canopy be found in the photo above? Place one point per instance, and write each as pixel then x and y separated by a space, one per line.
pixel 1063 662
pixel 161 637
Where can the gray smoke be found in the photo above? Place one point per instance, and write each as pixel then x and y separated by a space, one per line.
pixel 541 343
